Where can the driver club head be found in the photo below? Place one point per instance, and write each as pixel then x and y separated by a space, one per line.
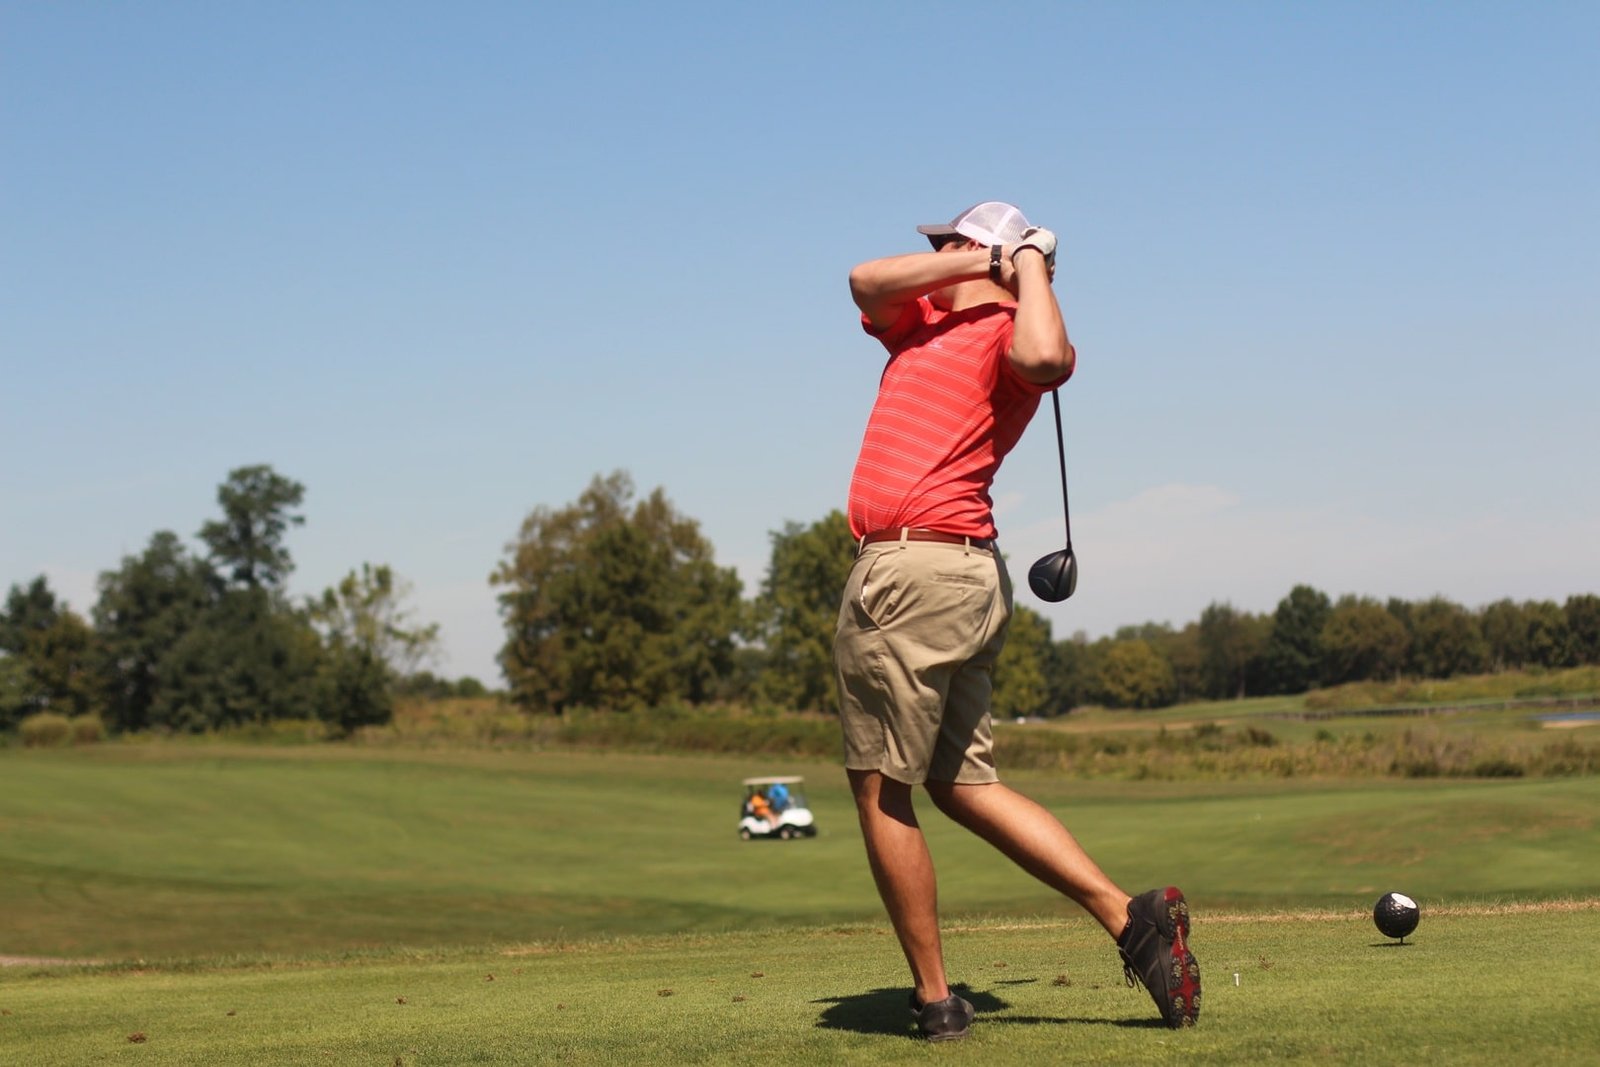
pixel 1054 577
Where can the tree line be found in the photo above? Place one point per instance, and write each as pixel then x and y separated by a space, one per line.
pixel 182 640
pixel 616 602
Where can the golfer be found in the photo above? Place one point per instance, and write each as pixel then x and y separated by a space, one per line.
pixel 975 338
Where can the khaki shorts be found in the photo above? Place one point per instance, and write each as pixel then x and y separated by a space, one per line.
pixel 920 627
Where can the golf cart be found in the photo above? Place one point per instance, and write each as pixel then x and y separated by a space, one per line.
pixel 775 807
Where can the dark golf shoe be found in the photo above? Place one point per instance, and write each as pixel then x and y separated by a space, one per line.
pixel 942 1020
pixel 1155 953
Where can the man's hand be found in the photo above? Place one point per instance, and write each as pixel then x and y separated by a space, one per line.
pixel 1035 237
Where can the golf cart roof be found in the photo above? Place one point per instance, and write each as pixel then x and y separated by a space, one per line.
pixel 782 779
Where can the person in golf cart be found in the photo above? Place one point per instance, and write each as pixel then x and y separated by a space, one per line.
pixel 756 804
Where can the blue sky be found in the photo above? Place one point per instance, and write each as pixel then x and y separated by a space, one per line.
pixel 1333 272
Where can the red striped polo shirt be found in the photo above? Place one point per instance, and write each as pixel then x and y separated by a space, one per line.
pixel 949 408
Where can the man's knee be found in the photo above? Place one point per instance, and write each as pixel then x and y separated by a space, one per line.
pixel 945 797
pixel 877 794
pixel 956 800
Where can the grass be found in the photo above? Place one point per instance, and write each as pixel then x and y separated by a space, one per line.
pixel 174 850
pixel 340 904
pixel 1481 986
pixel 1463 689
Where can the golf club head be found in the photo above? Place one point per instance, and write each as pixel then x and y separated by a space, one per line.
pixel 1054 577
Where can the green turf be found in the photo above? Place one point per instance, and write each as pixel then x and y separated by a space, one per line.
pixel 1472 987
pixel 623 922
pixel 175 851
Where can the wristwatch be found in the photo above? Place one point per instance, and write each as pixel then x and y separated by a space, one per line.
pixel 994 262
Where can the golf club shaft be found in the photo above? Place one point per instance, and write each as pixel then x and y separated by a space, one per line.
pixel 1061 451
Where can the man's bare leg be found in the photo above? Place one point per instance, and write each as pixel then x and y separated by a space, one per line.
pixel 1036 841
pixel 903 869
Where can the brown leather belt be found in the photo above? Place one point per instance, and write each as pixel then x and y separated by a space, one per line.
pixel 897 534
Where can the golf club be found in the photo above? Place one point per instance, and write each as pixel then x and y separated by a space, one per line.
pixel 1055 577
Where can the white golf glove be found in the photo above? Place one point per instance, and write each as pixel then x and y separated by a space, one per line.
pixel 1036 237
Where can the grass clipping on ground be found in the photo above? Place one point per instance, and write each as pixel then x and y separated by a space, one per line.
pixel 1474 984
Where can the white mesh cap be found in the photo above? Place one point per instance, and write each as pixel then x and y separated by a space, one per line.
pixel 992 222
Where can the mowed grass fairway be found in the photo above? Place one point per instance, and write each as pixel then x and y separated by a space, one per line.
pixel 307 890
pixel 1474 986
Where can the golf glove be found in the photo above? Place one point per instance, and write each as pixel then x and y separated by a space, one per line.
pixel 1036 237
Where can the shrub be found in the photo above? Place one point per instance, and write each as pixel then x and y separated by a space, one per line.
pixel 1254 735
pixel 45 729
pixel 1420 768
pixel 279 732
pixel 1497 768
pixel 87 729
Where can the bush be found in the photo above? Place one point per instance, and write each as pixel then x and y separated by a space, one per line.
pixel 1254 735
pixel 279 732
pixel 1207 750
pixel 1420 768
pixel 1497 768
pixel 45 729
pixel 87 729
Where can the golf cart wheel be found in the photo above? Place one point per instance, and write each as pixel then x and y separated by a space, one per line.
pixel 787 833
pixel 744 833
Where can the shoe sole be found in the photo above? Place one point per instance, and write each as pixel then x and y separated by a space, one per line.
pixel 1183 973
pixel 949 1037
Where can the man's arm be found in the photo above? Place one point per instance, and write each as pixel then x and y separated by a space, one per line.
pixel 882 287
pixel 1040 351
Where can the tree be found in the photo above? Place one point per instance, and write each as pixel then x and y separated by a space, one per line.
pixel 1446 640
pixel 1134 675
pixel 257 512
pixel 1362 640
pixel 1021 681
pixel 1074 673
pixel 370 645
pixel 425 685
pixel 28 610
pixel 355 688
pixel 1583 628
pixel 145 608
pixel 1231 642
pixel 1181 649
pixel 48 651
pixel 61 660
pixel 367 610
pixel 798 610
pixel 16 691
pixel 1405 613
pixel 249 659
pixel 1549 643
pixel 614 606
pixel 1293 654
pixel 248 656
pixel 1505 632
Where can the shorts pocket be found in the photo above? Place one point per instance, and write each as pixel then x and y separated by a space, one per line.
pixel 879 593
pixel 972 580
